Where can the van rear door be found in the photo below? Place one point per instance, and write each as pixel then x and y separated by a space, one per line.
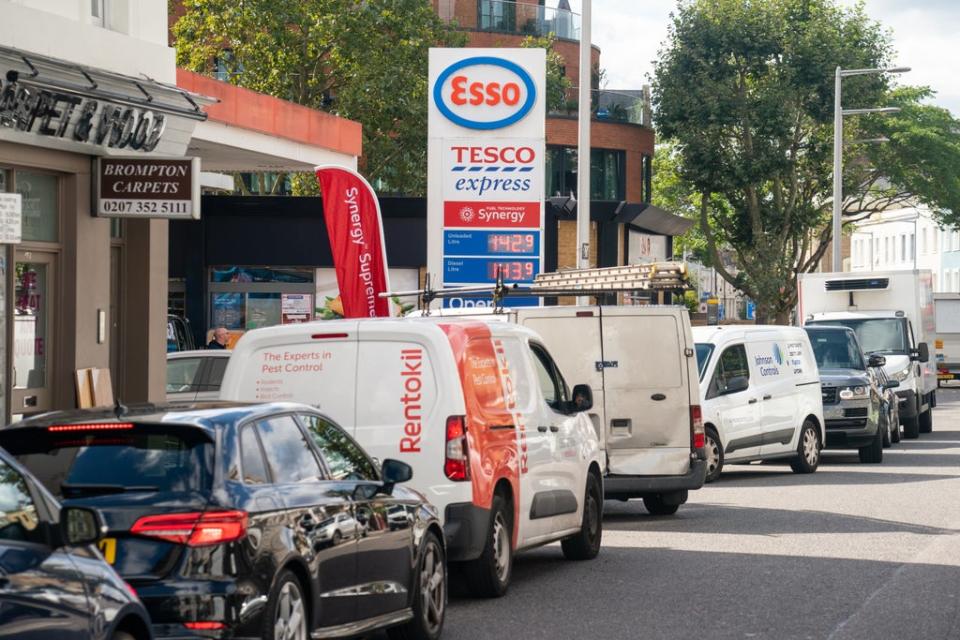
pixel 647 399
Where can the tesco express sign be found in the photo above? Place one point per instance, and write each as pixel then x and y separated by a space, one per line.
pixel 484 93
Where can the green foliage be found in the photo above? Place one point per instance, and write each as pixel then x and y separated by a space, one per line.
pixel 745 92
pixel 557 82
pixel 366 61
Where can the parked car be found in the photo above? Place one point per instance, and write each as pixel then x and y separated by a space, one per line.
pixel 479 409
pixel 179 334
pixel 53 581
pixel 890 404
pixel 194 376
pixel 214 515
pixel 851 393
pixel 761 396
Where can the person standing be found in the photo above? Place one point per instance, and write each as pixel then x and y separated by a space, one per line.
pixel 219 340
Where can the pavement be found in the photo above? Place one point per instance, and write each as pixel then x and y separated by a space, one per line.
pixel 852 551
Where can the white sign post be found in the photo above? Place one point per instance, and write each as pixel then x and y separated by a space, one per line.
pixel 11 213
pixel 486 137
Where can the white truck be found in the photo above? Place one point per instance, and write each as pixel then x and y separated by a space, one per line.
pixel 947 344
pixel 892 314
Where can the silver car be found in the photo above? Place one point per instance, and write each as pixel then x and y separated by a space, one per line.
pixel 195 375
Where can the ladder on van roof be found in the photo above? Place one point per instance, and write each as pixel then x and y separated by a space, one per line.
pixel 666 277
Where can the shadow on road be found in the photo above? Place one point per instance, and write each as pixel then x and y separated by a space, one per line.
pixel 754 521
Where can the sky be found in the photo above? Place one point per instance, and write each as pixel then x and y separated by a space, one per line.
pixel 630 32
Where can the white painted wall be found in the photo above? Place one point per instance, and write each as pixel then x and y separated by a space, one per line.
pixel 132 40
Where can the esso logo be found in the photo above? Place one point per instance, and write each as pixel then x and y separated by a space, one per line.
pixel 484 93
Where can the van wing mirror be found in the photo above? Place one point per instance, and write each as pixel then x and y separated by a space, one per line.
pixel 876 361
pixel 891 384
pixel 923 352
pixel 736 385
pixel 582 398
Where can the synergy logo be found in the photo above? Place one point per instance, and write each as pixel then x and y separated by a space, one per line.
pixel 484 93
pixel 466 215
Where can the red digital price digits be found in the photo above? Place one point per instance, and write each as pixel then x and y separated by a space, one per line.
pixel 511 271
pixel 510 243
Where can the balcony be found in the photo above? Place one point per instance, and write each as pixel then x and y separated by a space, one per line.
pixel 609 106
pixel 520 18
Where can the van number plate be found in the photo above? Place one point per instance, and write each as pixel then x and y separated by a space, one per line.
pixel 607 364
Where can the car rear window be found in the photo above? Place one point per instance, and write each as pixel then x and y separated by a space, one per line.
pixel 76 464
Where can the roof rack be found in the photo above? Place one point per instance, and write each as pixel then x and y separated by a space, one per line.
pixel 658 276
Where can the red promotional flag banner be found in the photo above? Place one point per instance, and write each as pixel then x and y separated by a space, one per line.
pixel 352 215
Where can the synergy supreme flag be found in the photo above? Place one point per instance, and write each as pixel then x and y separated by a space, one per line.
pixel 352 215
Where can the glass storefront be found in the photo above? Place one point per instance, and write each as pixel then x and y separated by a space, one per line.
pixel 607 173
pixel 243 298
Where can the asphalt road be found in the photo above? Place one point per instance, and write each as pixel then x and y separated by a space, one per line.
pixel 852 551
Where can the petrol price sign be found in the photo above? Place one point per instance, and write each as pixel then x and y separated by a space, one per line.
pixel 486 136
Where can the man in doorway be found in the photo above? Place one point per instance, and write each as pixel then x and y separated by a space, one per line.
pixel 220 337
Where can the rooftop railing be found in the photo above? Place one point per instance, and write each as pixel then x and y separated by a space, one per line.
pixel 612 106
pixel 503 16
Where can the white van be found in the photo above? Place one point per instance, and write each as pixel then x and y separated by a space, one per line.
pixel 761 396
pixel 640 363
pixel 496 439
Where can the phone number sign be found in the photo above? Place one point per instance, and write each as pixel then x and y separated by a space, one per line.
pixel 147 188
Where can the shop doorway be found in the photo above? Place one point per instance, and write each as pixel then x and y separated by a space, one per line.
pixel 33 315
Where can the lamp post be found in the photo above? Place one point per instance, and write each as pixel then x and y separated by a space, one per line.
pixel 583 145
pixel 838 113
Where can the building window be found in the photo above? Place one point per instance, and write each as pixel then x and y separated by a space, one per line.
pixel 903 247
pixel 243 298
pixel 913 247
pixel 876 251
pixel 607 173
pixel 98 12
pixel 923 241
pixel 40 206
pixel 496 15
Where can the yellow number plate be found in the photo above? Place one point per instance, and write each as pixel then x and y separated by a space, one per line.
pixel 108 547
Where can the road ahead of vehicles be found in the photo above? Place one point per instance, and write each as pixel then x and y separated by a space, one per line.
pixel 852 551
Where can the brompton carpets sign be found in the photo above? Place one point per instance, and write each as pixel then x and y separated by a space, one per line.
pixel 147 188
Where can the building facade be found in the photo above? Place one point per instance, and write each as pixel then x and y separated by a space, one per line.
pixel 908 238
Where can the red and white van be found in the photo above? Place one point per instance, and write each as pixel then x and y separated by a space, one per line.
pixel 479 409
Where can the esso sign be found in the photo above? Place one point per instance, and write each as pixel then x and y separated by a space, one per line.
pixel 484 92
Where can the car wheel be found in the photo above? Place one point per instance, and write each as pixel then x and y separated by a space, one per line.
pixel 808 449
pixel 286 617
pixel 337 537
pixel 926 421
pixel 873 452
pixel 489 575
pixel 430 603
pixel 887 435
pixel 895 425
pixel 656 506
pixel 911 428
pixel 714 454
pixel 585 545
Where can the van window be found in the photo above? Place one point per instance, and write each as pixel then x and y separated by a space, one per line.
pixel 876 335
pixel 836 350
pixel 344 458
pixel 732 364
pixel 288 453
pixel 704 350
pixel 551 382
pixel 251 457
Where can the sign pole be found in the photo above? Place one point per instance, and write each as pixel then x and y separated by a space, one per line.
pixel 583 146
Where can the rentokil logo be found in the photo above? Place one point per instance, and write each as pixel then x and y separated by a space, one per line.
pixel 484 93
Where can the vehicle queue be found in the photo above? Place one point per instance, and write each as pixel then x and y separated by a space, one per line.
pixel 378 451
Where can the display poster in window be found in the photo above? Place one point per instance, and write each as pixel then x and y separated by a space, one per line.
pixel 296 308
pixel 227 310
pixel 486 144
pixel 263 310
pixel 10 217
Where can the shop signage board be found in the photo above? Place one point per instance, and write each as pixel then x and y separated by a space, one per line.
pixel 487 130
pixel 11 210
pixel 147 188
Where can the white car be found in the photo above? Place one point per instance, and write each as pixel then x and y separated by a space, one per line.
pixel 761 396
pixel 195 375
pixel 479 409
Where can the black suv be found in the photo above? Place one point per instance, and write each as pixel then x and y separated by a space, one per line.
pixel 256 521
pixel 53 583
pixel 853 402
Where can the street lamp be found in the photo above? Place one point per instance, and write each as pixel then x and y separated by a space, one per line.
pixel 838 113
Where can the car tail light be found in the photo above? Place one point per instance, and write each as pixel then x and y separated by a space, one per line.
pixel 696 427
pixel 204 626
pixel 457 463
pixel 92 426
pixel 194 529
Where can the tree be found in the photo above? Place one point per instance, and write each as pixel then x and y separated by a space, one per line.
pixel 557 82
pixel 745 92
pixel 366 61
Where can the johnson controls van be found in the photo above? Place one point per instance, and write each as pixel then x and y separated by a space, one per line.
pixel 480 410
pixel 761 396
pixel 640 363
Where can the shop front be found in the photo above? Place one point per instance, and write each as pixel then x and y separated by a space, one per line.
pixel 84 287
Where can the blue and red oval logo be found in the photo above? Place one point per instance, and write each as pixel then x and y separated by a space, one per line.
pixel 484 93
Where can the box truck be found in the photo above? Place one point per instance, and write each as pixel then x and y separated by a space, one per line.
pixel 947 343
pixel 892 314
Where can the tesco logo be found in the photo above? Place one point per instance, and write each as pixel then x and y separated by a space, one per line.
pixel 494 155
pixel 484 93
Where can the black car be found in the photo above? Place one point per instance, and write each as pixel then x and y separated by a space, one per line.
pixel 254 521
pixel 53 582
